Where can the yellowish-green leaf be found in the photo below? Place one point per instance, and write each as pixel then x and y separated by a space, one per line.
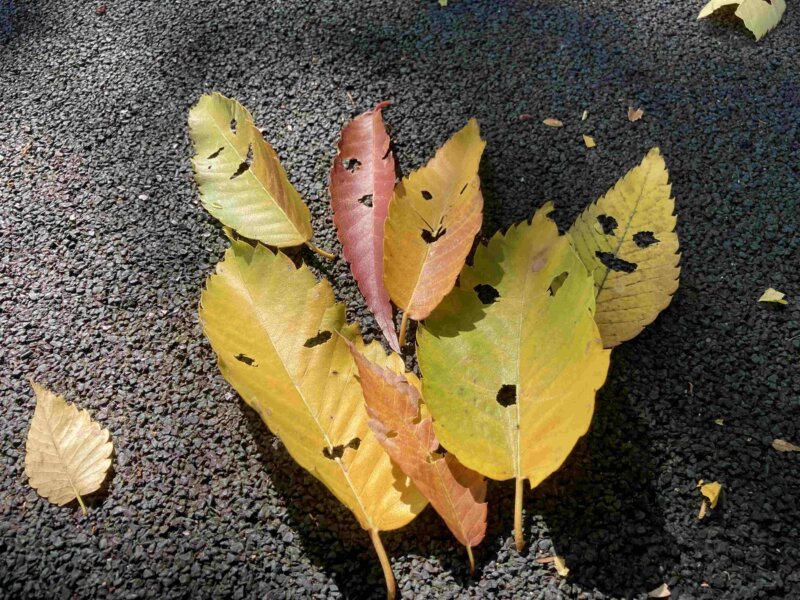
pixel 589 141
pixel 67 455
pixel 759 16
pixel 773 295
pixel 561 565
pixel 281 343
pixel 512 358
pixel 433 219
pixel 627 240
pixel 241 180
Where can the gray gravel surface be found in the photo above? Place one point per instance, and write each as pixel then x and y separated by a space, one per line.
pixel 105 248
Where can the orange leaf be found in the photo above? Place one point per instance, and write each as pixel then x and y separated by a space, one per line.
pixel 406 433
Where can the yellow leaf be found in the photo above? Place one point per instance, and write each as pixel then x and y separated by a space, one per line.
pixel 511 359
pixel 589 141
pixel 759 16
pixel 561 566
pixel 241 180
pixel 553 123
pixel 773 295
pixel 585 115
pixel 635 263
pixel 634 114
pixel 711 491
pixel 281 341
pixel 67 455
pixel 784 446
pixel 442 3
pixel 719 421
pixel 433 218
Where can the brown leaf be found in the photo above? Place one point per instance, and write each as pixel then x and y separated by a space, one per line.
pixel 634 114
pixel 407 435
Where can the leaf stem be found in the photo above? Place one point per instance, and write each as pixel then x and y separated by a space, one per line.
pixel 471 561
pixel 518 537
pixel 80 501
pixel 387 568
pixel 403 327
pixel 320 251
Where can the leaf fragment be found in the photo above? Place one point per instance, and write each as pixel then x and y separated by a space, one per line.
pixel 240 178
pixel 585 115
pixel 364 168
pixel 712 492
pixel 561 566
pixel 501 369
pixel 303 383
pixel 661 591
pixel 634 114
pixel 406 433
pixel 589 141
pixel 784 446
pixel 773 295
pixel 433 218
pixel 634 257
pixel 553 122
pixel 67 454
pixel 759 16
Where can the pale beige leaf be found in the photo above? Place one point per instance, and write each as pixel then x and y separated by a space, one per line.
pixel 784 446
pixel 561 566
pixel 773 295
pixel 553 123
pixel 585 115
pixel 661 591
pixel 67 455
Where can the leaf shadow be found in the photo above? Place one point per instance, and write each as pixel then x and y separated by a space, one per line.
pixel 601 507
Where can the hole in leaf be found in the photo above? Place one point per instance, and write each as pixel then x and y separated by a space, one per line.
pixel 338 451
pixel 320 338
pixel 233 126
pixel 366 200
pixel 251 362
pixel 486 293
pixel 615 264
pixel 244 165
pixel 507 395
pixel 427 195
pixel 214 155
pixel 557 282
pixel 430 237
pixel 391 434
pixel 644 239
pixel 352 165
pixel 609 224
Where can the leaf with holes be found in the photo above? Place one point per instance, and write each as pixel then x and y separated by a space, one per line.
pixel 759 16
pixel 512 358
pixel 361 186
pixel 274 330
pixel 434 216
pixel 241 180
pixel 67 455
pixel 627 240
pixel 395 410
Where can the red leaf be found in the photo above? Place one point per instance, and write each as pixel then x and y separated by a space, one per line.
pixel 361 185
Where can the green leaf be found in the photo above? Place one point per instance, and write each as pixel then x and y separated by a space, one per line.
pixel 512 358
pixel 241 180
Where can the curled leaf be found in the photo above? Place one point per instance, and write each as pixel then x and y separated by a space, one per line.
pixel 712 492
pixel 512 358
pixel 434 216
pixel 773 295
pixel 241 180
pixel 455 492
pixel 274 330
pixel 759 16
pixel 627 240
pixel 361 186
pixel 67 455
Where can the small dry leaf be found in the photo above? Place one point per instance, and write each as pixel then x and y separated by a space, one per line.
pixel 704 584
pixel 585 115
pixel 773 295
pixel 442 3
pixel 561 566
pixel 67 455
pixel 719 421
pixel 634 114
pixel 553 123
pixel 784 446
pixel 526 117
pixel 589 141
pixel 661 591
pixel 712 492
